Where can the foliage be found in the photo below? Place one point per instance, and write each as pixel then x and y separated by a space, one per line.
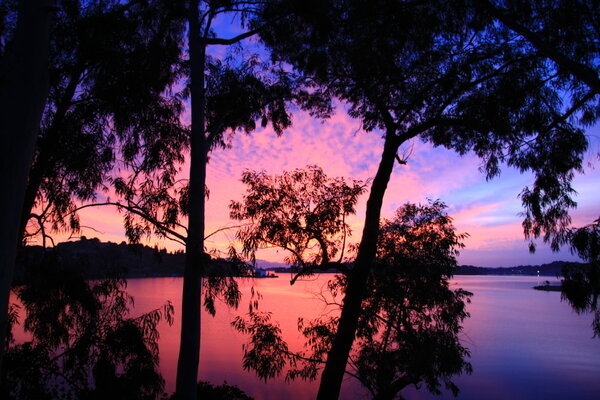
pixel 111 104
pixel 581 284
pixel 460 81
pixel 410 321
pixel 208 391
pixel 83 342
pixel 266 353
pixel 410 331
pixel 563 36
pixel 302 211
pixel 220 281
pixel 238 93
pixel 562 31
pixel 221 392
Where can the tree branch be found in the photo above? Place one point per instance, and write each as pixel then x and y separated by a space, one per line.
pixel 177 237
pixel 578 70
pixel 234 40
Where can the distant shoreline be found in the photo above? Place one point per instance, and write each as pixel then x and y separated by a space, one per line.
pixel 95 259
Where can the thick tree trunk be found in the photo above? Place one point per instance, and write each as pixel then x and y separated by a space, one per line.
pixel 337 358
pixel 189 349
pixel 46 150
pixel 23 92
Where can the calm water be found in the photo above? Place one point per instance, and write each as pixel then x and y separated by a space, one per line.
pixel 525 344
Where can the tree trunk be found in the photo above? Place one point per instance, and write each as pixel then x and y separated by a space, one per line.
pixel 337 358
pixel 189 349
pixel 23 92
pixel 43 163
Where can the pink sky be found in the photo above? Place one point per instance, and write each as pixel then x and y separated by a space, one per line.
pixel 488 211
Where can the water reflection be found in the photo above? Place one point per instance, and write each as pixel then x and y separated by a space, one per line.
pixel 524 343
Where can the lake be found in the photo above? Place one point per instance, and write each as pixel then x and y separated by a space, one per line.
pixel 524 343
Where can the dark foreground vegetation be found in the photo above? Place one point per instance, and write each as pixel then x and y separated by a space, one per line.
pixel 84 343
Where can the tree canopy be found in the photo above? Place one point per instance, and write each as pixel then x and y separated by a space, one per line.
pixel 102 115
pixel 445 74
pixel 410 321
pixel 83 342
pixel 302 211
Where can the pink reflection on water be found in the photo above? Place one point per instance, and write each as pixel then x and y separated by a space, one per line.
pixel 524 343
pixel 221 346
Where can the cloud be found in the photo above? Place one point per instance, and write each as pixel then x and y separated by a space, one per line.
pixel 487 210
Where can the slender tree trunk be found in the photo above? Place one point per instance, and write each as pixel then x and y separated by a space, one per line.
pixel 337 358
pixel 189 350
pixel 23 92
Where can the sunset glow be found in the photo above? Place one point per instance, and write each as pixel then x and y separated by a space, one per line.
pixel 487 210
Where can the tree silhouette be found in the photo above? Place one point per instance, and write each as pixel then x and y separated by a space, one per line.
pixel 563 34
pixel 239 100
pixel 301 211
pixel 410 320
pixel 23 91
pixel 111 111
pixel 101 115
pixel 83 342
pixel 452 82
pixel 581 284
pixel 98 111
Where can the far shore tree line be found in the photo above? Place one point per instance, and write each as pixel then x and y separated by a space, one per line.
pixel 91 99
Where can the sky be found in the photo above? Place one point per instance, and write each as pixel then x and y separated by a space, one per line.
pixel 487 210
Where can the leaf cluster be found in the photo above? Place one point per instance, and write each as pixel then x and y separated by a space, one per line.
pixel 581 284
pixel 112 69
pixel 83 342
pixel 410 320
pixel 301 211
pixel 461 80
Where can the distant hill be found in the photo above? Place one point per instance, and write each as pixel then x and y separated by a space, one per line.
pixel 551 269
pixel 271 265
pixel 96 259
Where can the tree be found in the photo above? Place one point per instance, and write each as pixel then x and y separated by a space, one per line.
pixel 452 82
pixel 101 115
pixel 411 320
pixel 23 91
pixel 409 323
pixel 83 342
pixel 297 211
pixel 211 118
pixel 98 111
pixel 581 285
pixel 563 34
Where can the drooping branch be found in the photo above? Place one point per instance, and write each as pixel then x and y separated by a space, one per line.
pixel 225 228
pixel 177 237
pixel 580 71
